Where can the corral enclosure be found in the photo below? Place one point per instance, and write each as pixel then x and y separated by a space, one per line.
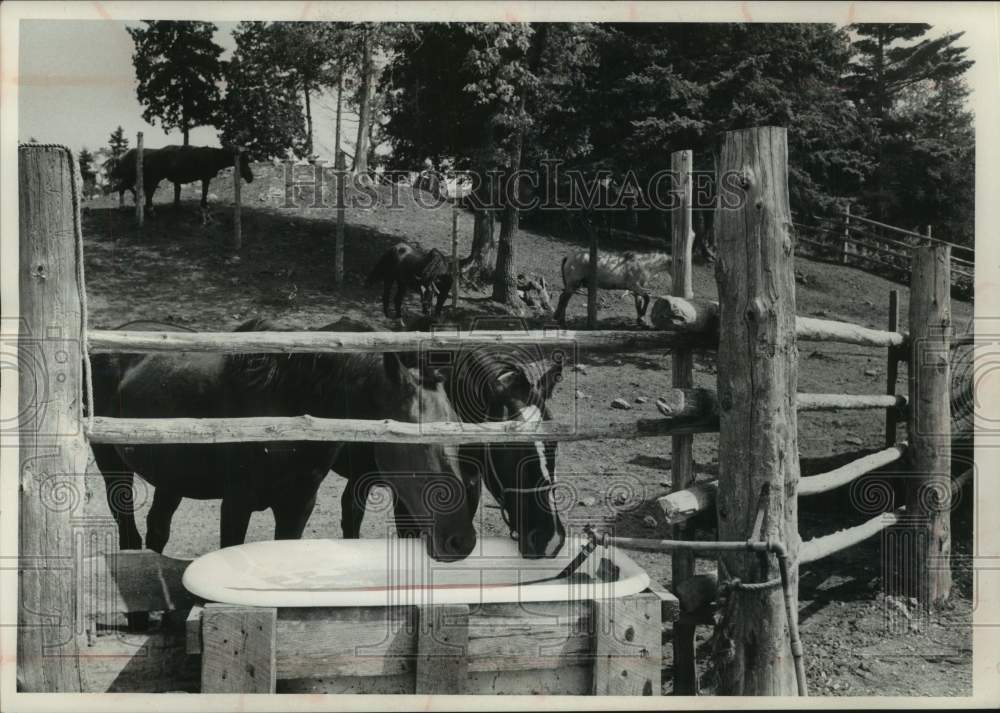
pixel 178 271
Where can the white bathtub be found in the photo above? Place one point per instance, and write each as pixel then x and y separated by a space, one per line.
pixel 398 572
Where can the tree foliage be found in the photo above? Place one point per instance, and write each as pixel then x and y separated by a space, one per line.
pixel 262 110
pixel 178 71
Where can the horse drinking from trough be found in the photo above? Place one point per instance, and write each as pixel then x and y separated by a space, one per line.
pixel 492 384
pixel 628 271
pixel 282 476
pixel 411 268
pixel 178 164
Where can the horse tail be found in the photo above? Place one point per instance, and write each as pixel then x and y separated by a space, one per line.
pixel 562 269
pixel 382 268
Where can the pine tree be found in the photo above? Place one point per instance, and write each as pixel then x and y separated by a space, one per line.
pixel 118 143
pixel 85 160
pixel 262 107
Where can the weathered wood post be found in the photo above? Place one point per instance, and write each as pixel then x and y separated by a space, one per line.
pixel 454 256
pixel 140 191
pixel 237 210
pixel 338 248
pixel 757 383
pixel 892 369
pixel 927 522
pixel 53 452
pixel 681 454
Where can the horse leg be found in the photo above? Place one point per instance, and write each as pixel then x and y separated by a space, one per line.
pixel 177 194
pixel 400 293
pixel 118 488
pixel 235 520
pixel 357 464
pixel 204 203
pixel 637 298
pixel 352 506
pixel 386 294
pixel 564 299
pixel 444 289
pixel 645 305
pixel 161 512
pixel 291 516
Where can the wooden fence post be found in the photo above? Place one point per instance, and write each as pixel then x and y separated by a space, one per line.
pixel 454 256
pixel 53 452
pixel 140 191
pixel 681 457
pixel 237 212
pixel 338 248
pixel 892 369
pixel 928 489
pixel 757 384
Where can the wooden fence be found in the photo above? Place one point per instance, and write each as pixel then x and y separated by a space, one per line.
pixel 758 349
pixel 880 248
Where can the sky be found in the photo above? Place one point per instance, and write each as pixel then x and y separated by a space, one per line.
pixel 77 84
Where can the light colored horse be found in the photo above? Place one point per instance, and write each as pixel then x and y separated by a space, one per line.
pixel 627 271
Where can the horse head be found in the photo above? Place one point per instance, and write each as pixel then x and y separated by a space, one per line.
pixel 425 478
pixel 519 476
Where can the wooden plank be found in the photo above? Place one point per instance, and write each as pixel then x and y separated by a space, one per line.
pixel 529 636
pixel 566 681
pixel 238 655
pixel 192 631
pixel 820 547
pixel 892 369
pixel 148 662
pixel 127 581
pixel 627 646
pixel 840 402
pixel 824 482
pixel 682 374
pixel 365 342
pixel 442 649
pixel 52 454
pixel 308 428
pixel 345 641
pixel 682 505
pixel 758 377
pixel 811 329
pixel 927 575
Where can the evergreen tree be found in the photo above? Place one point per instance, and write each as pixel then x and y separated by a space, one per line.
pixel 178 68
pixel 85 160
pixel 262 110
pixel 117 143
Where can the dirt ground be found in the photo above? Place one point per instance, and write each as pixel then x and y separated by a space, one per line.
pixel 857 642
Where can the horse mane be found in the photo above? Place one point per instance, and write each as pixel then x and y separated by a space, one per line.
pixel 305 377
pixel 435 265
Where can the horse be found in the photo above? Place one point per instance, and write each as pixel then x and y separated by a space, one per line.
pixel 411 267
pixel 282 476
pixel 179 164
pixel 629 271
pixel 486 385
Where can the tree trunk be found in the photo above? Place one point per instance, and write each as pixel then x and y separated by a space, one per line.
pixel 479 266
pixel 340 92
pixel 309 122
pixel 177 187
pixel 504 280
pixel 364 108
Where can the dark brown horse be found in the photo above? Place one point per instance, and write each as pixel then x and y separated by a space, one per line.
pixel 178 164
pixel 282 476
pixel 412 268
pixel 490 384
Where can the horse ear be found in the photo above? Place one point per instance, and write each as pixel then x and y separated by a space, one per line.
pixel 547 384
